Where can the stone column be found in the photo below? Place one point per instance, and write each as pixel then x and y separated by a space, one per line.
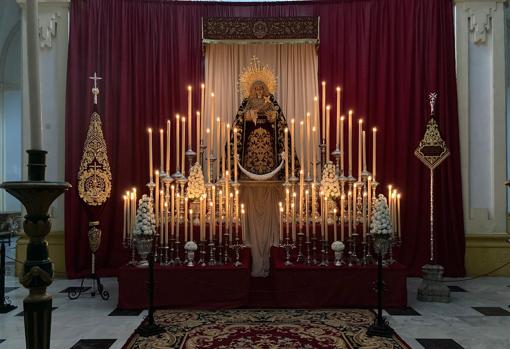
pixel 53 35
pixel 480 44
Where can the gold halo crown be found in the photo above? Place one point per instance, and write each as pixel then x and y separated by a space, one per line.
pixel 256 72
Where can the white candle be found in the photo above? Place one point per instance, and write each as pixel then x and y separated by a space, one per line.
pixel 227 139
pixel 314 155
pixel 326 218
pixel 342 145
pixel 183 150
pixel 313 210
pixel 235 154
pixel 149 130
pixel 293 205
pixel 364 203
pixel 349 213
pixel 302 145
pixel 334 225
pixel 202 99
pixel 191 224
pixel 167 206
pixel 369 202
pixel 161 226
pixel 364 152
pixel 360 147
pixel 213 213
pixel 189 118
pixel 33 75
pixel 281 223
pixel 374 151
pixel 337 117
pixel 218 147
pixel 342 199
pixel 287 213
pixel 292 145
pixel 308 145
pixel 161 150
pixel 177 137
pixel 177 213
pixel 157 198
pixel 220 201
pixel 350 143
pixel 286 147
pixel 323 109
pixel 186 238
pixel 328 110
pixel 316 115
pixel 398 216
pixel 209 156
pixel 389 197
pixel 199 125
pixel 168 147
pixel 307 226
pixel 172 209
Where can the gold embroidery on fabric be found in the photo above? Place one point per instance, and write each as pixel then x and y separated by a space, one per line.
pixel 259 152
pixel 94 177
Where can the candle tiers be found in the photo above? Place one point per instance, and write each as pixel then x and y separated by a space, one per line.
pixel 300 257
pixel 237 247
pixel 190 156
pixel 308 259
pixel 212 252
pixel 37 195
pixel 324 253
pixel 287 246
pixel 353 257
pixel 226 258
pixel 336 155
pixel 314 251
pixel 131 246
pixel 201 262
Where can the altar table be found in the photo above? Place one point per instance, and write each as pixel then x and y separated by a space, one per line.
pixel 190 287
pixel 303 286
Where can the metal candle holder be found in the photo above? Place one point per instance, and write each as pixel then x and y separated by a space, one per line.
pixel 212 250
pixel 287 246
pixel 237 248
pixel 324 253
pixel 201 262
pixel 353 257
pixel 308 259
pixel 300 257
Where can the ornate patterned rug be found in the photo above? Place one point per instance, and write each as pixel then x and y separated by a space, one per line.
pixel 265 329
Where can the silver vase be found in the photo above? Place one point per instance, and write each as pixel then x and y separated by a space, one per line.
pixel 143 246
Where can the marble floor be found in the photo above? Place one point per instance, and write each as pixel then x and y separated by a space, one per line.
pixel 478 317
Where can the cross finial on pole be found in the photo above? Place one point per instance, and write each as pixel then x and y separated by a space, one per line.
pixel 95 89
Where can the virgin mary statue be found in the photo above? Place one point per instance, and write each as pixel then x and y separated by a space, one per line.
pixel 260 125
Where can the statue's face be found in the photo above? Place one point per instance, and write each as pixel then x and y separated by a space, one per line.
pixel 259 90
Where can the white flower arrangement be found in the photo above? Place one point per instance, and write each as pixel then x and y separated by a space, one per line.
pixel 191 246
pixel 145 221
pixel 380 223
pixel 196 183
pixel 329 182
pixel 337 246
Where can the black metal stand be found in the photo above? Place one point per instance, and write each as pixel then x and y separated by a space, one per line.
pixel 76 292
pixel 150 328
pixel 380 328
pixel 6 305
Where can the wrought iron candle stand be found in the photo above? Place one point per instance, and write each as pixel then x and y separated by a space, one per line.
pixel 37 195
pixel 380 327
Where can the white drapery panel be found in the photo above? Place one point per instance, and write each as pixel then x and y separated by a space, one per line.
pixel 296 68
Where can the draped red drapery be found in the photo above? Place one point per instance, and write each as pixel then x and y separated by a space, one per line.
pixel 386 54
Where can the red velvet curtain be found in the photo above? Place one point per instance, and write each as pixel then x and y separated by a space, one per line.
pixel 386 54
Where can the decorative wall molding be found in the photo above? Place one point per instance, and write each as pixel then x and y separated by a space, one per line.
pixel 480 21
pixel 48 28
